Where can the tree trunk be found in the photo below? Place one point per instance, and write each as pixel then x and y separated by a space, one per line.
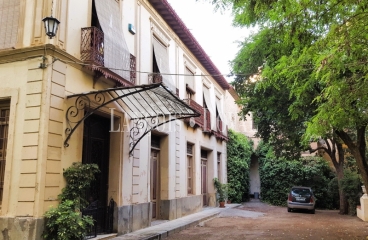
pixel 357 150
pixel 343 201
pixel 334 150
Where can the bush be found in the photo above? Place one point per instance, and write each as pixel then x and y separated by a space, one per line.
pixel 66 221
pixel 351 185
pixel 278 175
pixel 239 151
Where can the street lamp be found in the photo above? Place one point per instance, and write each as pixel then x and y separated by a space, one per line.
pixel 51 26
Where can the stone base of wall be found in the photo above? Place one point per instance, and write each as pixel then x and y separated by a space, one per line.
pixel 212 200
pixel 21 228
pixel 133 217
pixel 130 218
pixel 180 207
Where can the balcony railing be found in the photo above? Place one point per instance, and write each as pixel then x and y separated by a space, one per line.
pixel 203 121
pixel 133 68
pixel 92 46
pixel 154 78
pixel 157 78
pixel 220 132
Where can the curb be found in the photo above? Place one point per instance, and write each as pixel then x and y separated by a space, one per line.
pixel 156 234
pixel 165 234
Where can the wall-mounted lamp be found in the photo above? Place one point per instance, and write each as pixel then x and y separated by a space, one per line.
pixel 51 26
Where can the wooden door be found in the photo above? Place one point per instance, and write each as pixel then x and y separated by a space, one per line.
pixel 155 156
pixel 204 181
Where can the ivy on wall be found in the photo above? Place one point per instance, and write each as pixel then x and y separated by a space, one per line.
pixel 239 151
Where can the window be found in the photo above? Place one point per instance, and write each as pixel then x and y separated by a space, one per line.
pixel 4 126
pixel 189 83
pixel 161 63
pixel 116 55
pixel 204 154
pixel 254 125
pixel 9 20
pixel 210 107
pixel 155 141
pixel 220 117
pixel 190 168
pixel 218 165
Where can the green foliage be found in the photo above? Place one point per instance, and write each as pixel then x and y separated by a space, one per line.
pixel 78 179
pixel 239 152
pixel 351 184
pixel 66 221
pixel 313 52
pixel 222 190
pixel 278 175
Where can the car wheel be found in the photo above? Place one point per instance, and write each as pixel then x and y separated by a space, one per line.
pixel 289 209
pixel 313 211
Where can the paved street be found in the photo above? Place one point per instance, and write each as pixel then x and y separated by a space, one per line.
pixel 256 220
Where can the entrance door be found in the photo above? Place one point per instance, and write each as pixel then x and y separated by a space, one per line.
pixel 96 147
pixel 204 180
pixel 155 156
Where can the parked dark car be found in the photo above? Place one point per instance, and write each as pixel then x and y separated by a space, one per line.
pixel 301 198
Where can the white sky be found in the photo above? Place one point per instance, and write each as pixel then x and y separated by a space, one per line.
pixel 213 30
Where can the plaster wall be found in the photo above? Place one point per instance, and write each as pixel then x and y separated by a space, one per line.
pixel 39 106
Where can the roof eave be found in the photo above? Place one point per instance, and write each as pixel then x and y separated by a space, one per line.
pixel 177 25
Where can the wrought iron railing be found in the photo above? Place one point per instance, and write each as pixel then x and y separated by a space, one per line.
pixel 133 68
pixel 2 175
pixel 157 78
pixel 220 132
pixel 92 46
pixel 103 217
pixel 154 78
pixel 203 121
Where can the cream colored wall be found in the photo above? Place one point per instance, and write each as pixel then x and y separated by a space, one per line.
pixel 29 177
pixel 234 122
pixel 173 145
pixel 37 157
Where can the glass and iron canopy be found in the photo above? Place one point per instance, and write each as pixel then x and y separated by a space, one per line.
pixel 147 107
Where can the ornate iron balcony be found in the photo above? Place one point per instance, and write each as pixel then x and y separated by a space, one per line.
pixel 154 78
pixel 132 68
pixel 92 46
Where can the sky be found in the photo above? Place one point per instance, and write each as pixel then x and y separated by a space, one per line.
pixel 213 30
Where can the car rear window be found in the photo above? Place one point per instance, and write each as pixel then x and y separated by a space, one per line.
pixel 300 191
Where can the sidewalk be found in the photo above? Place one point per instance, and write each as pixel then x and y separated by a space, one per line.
pixel 163 230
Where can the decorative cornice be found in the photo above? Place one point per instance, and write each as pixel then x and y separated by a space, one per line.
pixel 159 33
pixel 191 66
pixel 22 54
pixel 207 83
pixel 218 94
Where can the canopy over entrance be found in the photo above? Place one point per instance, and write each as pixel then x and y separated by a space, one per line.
pixel 147 106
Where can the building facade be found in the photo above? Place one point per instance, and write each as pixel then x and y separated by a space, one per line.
pixel 123 84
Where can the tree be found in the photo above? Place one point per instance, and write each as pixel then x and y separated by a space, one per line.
pixel 322 63
pixel 271 105
pixel 334 150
